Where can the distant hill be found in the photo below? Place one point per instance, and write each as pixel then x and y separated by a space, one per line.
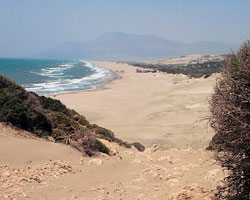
pixel 132 47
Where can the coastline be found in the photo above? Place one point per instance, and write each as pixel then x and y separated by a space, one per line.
pixel 113 76
pixel 162 111
pixel 139 104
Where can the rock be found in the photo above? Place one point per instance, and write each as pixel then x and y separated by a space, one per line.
pixel 184 168
pixel 14 180
pixel 7 174
pixel 154 148
pixel 95 161
pixel 193 166
pixel 212 174
pixel 6 185
pixel 137 161
pixel 193 192
pixel 81 161
pixel 163 158
pixel 117 191
pixel 156 171
pixel 173 182
pixel 150 158
pixel 141 196
pixel 177 173
pixel 157 175
pixel 129 152
pixel 188 149
pixel 99 188
pixel 93 189
pixel 138 180
pixel 24 195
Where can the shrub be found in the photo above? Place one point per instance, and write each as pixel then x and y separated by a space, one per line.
pixel 138 146
pixel 53 104
pixel 105 134
pixel 230 118
pixel 45 117
pixel 81 119
pixel 197 70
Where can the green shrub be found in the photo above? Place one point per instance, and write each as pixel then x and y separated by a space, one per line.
pixel 103 133
pixel 138 146
pixel 81 119
pixel 49 117
pixel 53 105
pixel 192 70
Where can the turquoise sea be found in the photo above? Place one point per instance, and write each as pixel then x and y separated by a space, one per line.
pixel 46 77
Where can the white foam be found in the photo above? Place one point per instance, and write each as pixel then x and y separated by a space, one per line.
pixel 62 85
pixel 100 72
pixel 54 72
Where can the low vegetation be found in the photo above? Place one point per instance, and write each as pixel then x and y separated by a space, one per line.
pixel 230 118
pixel 47 117
pixel 193 70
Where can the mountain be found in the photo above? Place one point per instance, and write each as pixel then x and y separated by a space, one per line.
pixel 129 47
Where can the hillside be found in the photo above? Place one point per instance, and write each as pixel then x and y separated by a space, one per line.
pixel 49 118
pixel 129 47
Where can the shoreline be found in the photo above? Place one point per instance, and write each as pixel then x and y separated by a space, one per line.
pixel 140 104
pixel 161 111
pixel 114 76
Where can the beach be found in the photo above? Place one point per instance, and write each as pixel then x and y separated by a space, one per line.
pixel 149 107
pixel 166 113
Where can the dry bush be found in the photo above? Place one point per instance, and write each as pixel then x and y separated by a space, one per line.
pixel 230 118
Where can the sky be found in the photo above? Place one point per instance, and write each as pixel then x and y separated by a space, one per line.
pixel 31 26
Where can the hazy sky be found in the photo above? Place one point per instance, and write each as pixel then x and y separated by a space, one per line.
pixel 30 26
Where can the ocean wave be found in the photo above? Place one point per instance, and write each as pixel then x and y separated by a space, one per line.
pixel 100 73
pixel 54 72
pixel 63 84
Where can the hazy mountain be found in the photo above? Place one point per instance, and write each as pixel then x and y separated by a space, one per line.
pixel 122 46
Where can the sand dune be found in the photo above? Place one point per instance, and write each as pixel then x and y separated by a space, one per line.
pixel 161 111
pixel 189 59
pixel 45 170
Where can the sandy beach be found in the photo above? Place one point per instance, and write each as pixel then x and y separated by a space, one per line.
pixel 149 108
pixel 164 112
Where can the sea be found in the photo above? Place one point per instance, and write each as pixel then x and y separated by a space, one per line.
pixel 47 77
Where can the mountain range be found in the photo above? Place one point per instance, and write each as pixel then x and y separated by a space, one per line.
pixel 132 47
